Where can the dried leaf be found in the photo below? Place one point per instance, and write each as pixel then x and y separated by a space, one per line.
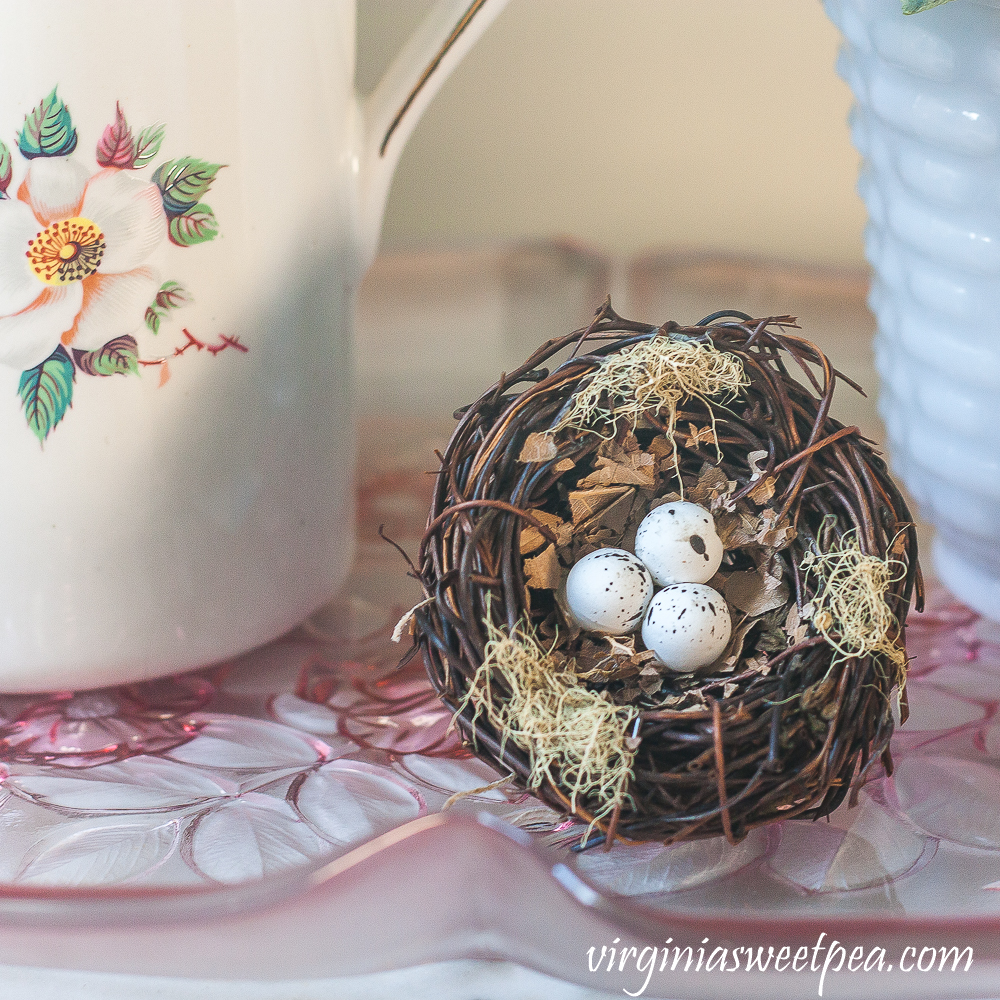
pixel 671 701
pixel 543 572
pixel 532 539
pixel 753 460
pixel 405 624
pixel 672 497
pixel 722 502
pixel 585 504
pixel 734 648
pixel 712 482
pixel 736 530
pixel 661 447
pixel 564 465
pixel 763 491
pixel 698 434
pixel 627 695
pixel 777 538
pixel 613 518
pixel 757 664
pixel 639 470
pixel 538 447
pixel 755 592
pixel 794 627
pixel 772 638
pixel 729 688
pixel 604 670
pixel 621 647
pixel 792 619
pixel 650 680
pixel 644 656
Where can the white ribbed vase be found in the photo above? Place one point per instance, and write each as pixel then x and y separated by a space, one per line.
pixel 927 122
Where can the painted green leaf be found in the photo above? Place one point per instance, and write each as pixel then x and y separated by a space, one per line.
pixel 153 317
pixel 172 296
pixel 197 225
pixel 916 6
pixel 48 130
pixel 46 392
pixel 148 144
pixel 117 357
pixel 5 170
pixel 184 182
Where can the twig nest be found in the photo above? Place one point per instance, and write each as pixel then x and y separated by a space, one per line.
pixel 812 558
pixel 608 591
pixel 678 543
pixel 687 626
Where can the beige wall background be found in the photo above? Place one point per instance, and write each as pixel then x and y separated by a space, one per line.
pixel 707 125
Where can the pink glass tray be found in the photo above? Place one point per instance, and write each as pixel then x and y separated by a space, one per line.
pixel 310 777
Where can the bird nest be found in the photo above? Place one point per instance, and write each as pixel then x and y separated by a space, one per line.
pixel 819 569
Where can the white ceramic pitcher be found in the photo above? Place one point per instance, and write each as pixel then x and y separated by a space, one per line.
pixel 191 195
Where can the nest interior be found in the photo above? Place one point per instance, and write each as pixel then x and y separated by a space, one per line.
pixel 798 713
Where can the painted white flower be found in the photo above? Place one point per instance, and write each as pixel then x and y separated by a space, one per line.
pixel 72 252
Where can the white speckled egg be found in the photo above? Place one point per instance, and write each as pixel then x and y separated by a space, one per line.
pixel 687 626
pixel 608 591
pixel 679 544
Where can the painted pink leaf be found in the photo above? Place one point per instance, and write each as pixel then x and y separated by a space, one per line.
pixel 877 846
pixel 249 837
pixel 651 868
pixel 231 742
pixel 348 802
pixel 136 785
pixel 117 146
pixel 88 854
pixel 956 800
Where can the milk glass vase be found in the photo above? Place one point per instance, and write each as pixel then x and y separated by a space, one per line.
pixel 927 123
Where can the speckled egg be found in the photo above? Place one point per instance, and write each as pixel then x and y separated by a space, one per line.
pixel 687 626
pixel 679 544
pixel 608 591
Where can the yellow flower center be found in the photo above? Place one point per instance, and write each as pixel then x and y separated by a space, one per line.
pixel 66 251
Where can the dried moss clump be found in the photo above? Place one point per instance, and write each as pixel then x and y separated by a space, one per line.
pixel 850 608
pixel 652 376
pixel 573 736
